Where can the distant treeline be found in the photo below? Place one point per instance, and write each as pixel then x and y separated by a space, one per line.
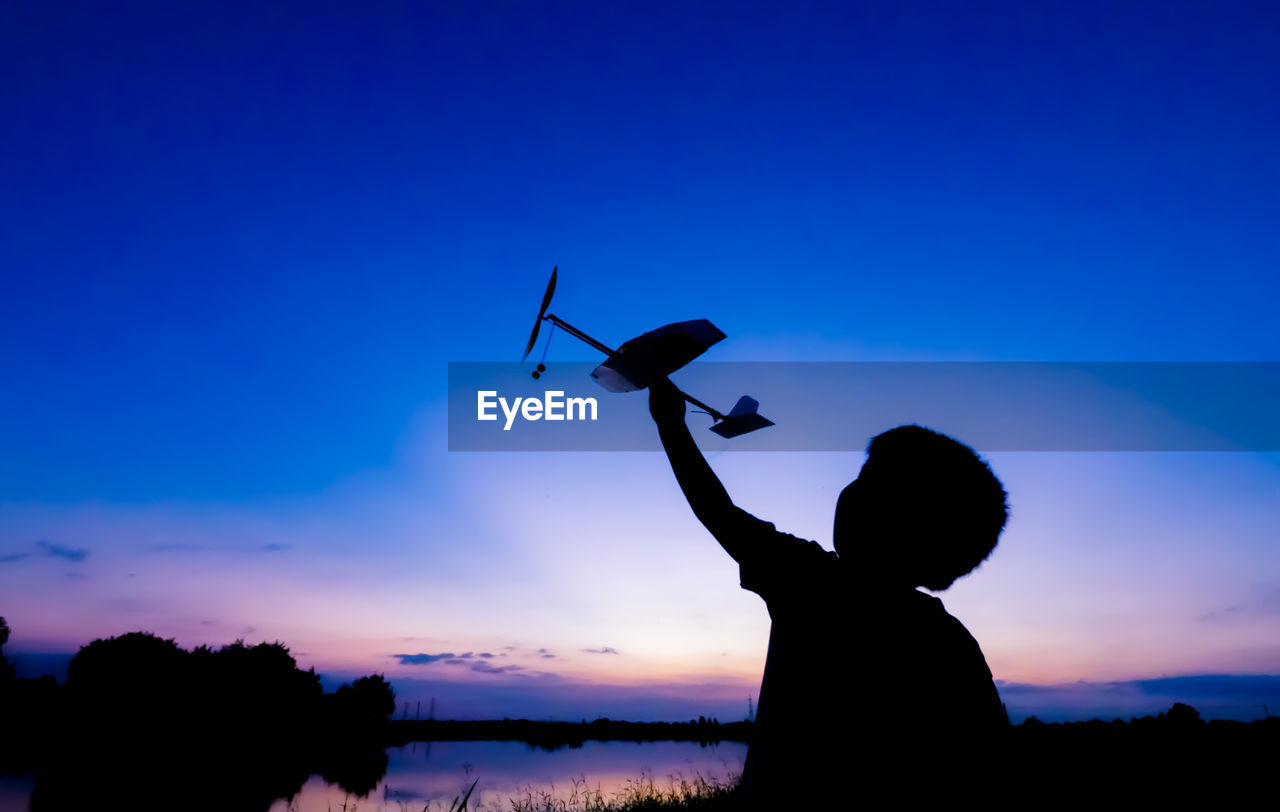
pixel 1181 721
pixel 554 735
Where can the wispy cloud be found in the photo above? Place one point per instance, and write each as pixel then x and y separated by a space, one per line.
pixel 63 551
pixel 601 650
pixel 423 659
pixel 1262 600
pixel 274 547
pixel 5 559
pixel 478 661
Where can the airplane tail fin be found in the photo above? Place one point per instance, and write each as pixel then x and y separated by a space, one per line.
pixel 742 419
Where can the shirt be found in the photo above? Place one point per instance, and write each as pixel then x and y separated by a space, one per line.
pixel 854 668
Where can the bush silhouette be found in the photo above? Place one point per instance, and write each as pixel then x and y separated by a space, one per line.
pixel 141 711
pixel 6 667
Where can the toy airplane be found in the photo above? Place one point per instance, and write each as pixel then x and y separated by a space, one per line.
pixel 651 356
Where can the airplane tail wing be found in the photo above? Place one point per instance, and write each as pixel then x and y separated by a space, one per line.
pixel 742 419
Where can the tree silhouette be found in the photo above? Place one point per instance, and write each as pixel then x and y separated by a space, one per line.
pixel 364 706
pixel 131 685
pixel 142 711
pixel 374 696
pixel 6 667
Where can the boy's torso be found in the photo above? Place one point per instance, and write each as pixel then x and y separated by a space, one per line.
pixel 850 667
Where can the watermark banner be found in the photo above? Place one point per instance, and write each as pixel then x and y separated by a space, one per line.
pixel 839 406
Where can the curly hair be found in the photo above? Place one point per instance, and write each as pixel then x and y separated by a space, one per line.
pixel 936 494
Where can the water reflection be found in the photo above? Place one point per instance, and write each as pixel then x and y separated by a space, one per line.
pixel 411 777
pixel 434 773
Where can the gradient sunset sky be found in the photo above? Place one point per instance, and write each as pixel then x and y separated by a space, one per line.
pixel 241 242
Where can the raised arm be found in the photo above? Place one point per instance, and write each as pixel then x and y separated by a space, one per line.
pixel 702 488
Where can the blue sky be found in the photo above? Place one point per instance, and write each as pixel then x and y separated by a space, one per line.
pixel 241 243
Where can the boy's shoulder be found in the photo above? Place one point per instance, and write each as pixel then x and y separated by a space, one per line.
pixel 929 610
pixel 769 559
pixel 945 637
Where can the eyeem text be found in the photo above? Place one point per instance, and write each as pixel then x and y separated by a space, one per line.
pixel 553 405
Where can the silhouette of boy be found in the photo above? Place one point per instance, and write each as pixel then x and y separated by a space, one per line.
pixel 868 682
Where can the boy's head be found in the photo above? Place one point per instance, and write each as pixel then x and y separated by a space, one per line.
pixel 925 509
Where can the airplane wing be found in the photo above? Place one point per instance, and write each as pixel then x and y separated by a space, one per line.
pixel 655 354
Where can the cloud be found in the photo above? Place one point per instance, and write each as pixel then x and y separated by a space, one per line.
pixel 447 658
pixel 601 650
pixel 130 604
pixel 5 559
pixel 62 551
pixel 423 659
pixel 1213 686
pixel 1216 696
pixel 479 661
pixel 486 668
pixel 275 548
pixel 1262 600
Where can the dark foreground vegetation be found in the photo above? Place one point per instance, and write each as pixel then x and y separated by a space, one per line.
pixel 230 729
pixel 1173 757
pixel 145 723
pixel 641 795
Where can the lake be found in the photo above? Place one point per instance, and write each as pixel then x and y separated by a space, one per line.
pixel 432 774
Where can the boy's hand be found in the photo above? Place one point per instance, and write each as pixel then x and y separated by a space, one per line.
pixel 666 404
